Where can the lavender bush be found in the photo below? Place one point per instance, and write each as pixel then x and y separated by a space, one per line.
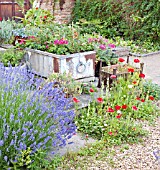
pixel 32 119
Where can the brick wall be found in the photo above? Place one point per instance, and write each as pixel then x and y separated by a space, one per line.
pixel 61 11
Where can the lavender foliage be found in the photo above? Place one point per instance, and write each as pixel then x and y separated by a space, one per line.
pixel 31 117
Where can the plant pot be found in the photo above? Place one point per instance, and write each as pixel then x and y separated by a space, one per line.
pixel 78 65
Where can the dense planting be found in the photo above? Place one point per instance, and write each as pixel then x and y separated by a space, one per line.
pixel 33 120
pixel 132 20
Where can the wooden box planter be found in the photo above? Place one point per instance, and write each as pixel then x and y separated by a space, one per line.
pixel 78 65
pixel 117 70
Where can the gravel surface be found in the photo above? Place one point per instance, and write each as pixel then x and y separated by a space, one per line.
pixel 128 157
pixel 140 156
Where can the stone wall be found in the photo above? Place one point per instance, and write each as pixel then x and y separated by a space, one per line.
pixel 61 9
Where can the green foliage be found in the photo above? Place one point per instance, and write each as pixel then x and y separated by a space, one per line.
pixel 37 16
pixel 132 20
pixel 12 56
pixel 151 89
pixel 112 117
pixel 5 31
pixel 66 83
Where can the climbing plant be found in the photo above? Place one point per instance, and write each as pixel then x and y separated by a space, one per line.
pixel 138 19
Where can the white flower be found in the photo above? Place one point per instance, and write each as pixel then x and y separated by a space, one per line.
pixel 130 86
pixel 119 112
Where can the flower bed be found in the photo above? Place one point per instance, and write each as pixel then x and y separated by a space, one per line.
pixel 33 120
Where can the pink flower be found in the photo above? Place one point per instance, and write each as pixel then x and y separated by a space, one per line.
pixel 134 108
pixel 110 133
pixel 56 42
pixel 110 110
pixel 1 18
pixel 90 40
pixel 113 76
pixel 99 100
pixel 75 100
pixel 102 47
pixel 45 17
pixel 136 60
pixel 111 45
pixel 22 41
pixel 47 46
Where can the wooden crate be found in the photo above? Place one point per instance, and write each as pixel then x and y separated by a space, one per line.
pixel 117 70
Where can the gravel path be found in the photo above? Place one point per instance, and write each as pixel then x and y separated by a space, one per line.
pixel 140 156
pixel 134 157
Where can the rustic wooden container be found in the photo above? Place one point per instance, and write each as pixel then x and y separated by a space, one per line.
pixel 117 70
pixel 78 65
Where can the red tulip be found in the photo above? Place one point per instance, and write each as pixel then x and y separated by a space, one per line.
pixel 99 100
pixel 151 98
pixel 136 60
pixel 91 90
pixel 117 107
pixel 119 116
pixel 124 106
pixel 121 60
pixel 110 110
pixel 75 100
pixel 142 100
pixel 142 75
pixel 134 82
pixel 131 70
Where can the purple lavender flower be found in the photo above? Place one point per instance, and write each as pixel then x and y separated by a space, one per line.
pixel 1 142
pixel 5 158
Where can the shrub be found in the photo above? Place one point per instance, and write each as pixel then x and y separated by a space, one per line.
pixel 5 31
pixel 33 120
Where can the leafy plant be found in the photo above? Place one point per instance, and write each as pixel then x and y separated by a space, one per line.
pixel 37 16
pixel 34 121
pixel 66 83
pixel 5 31
pixel 151 89
pixel 138 20
pixel 13 57
pixel 111 117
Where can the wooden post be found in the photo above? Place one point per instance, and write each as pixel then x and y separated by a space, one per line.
pixel 111 80
pixel 128 59
pixel 100 75
pixel 141 67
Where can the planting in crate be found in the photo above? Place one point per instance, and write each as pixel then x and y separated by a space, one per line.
pixel 123 68
pixel 78 65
